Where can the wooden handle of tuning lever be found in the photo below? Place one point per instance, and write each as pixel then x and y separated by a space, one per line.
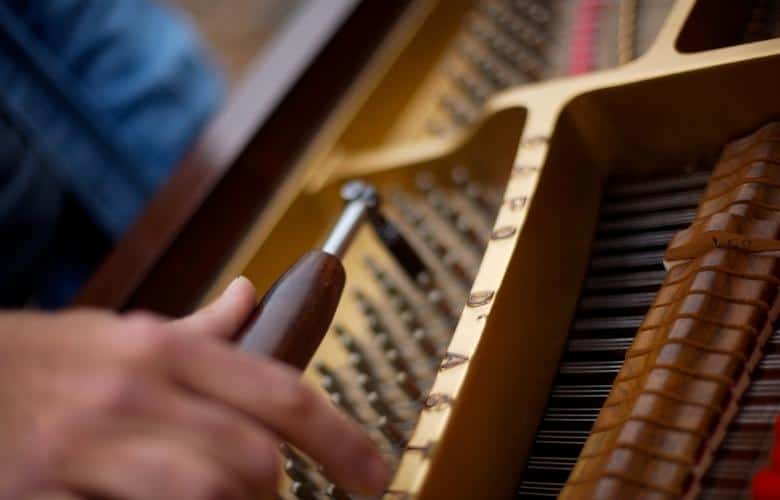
pixel 290 321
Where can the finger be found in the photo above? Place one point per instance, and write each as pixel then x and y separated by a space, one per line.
pixel 53 495
pixel 227 435
pixel 223 317
pixel 148 469
pixel 274 394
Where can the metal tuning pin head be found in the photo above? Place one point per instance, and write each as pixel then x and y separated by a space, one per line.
pixel 390 431
pixel 302 491
pixel 336 493
pixel 407 384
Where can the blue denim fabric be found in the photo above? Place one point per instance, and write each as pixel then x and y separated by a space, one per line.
pixel 99 100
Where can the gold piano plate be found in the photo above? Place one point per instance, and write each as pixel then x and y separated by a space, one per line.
pixel 550 147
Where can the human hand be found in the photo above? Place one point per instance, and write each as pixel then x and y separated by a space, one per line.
pixel 138 407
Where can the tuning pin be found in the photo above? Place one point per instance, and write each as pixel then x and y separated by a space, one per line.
pixel 424 342
pixel 293 455
pixel 365 304
pixel 390 431
pixel 296 473
pixel 535 11
pixel 407 383
pixel 459 175
pixel 367 383
pixel 302 491
pixel 432 242
pixel 475 90
pixel 360 363
pixel 516 27
pixel 439 202
pixel 409 214
pixel 380 407
pixel 456 268
pixel 329 380
pixel 397 361
pixel 409 318
pixel 476 193
pixel 382 277
pixel 384 341
pixel 425 181
pixel 436 298
pixel 334 492
pixel 456 109
pixel 342 402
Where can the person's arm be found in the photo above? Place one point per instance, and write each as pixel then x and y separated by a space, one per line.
pixel 140 407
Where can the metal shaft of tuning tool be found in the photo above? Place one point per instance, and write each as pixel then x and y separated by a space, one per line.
pixel 363 206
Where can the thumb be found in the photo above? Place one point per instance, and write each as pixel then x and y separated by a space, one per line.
pixel 223 317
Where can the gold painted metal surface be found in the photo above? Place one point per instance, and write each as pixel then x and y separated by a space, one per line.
pixel 549 147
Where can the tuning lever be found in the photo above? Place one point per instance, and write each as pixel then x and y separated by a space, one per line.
pixel 292 317
pixel 289 322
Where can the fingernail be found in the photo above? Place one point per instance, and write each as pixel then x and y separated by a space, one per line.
pixel 235 282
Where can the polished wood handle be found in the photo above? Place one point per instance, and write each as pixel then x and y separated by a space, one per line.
pixel 292 318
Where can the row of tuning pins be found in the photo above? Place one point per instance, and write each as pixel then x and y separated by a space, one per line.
pixel 388 373
pixel 503 44
pixel 307 481
pixel 387 376
pixel 453 223
pixel 390 370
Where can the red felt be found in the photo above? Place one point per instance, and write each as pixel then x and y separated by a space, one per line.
pixel 766 485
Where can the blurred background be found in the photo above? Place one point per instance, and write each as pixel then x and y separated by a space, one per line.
pixel 238 29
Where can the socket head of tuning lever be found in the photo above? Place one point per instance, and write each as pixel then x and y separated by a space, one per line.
pixel 362 202
pixel 359 190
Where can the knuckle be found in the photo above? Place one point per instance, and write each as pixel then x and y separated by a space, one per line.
pixel 147 340
pixel 117 394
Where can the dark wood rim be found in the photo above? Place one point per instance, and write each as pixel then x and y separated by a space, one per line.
pixel 169 257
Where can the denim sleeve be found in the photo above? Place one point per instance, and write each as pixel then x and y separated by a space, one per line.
pixel 30 204
pixel 111 93
pixel 99 99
